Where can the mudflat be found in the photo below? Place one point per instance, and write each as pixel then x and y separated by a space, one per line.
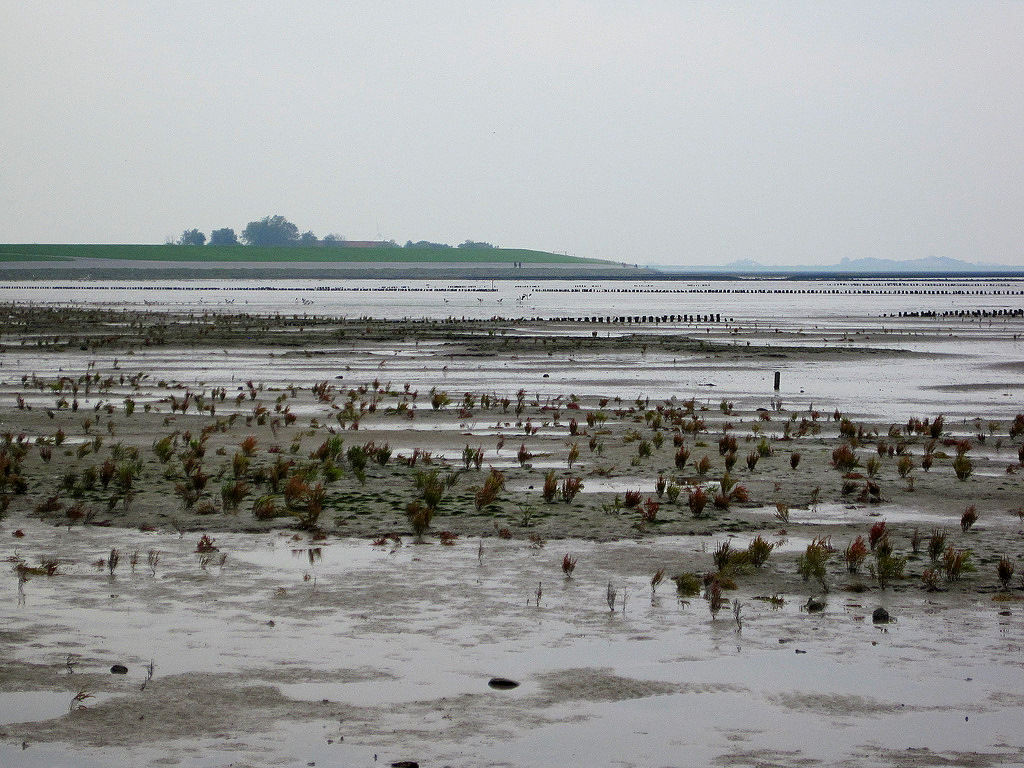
pixel 288 515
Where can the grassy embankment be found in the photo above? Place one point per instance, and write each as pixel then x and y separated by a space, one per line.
pixel 229 254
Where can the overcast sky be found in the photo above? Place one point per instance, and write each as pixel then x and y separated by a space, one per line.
pixel 651 132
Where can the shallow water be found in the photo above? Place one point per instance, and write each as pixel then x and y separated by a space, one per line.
pixel 417 629
pixel 978 356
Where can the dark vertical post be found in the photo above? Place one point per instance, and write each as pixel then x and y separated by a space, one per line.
pixel 778 380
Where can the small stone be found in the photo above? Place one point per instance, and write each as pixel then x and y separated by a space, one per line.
pixel 880 616
pixel 502 683
pixel 119 669
pixel 405 764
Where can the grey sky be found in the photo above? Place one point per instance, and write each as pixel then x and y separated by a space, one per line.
pixel 664 132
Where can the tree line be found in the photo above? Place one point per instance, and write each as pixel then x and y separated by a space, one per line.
pixel 278 231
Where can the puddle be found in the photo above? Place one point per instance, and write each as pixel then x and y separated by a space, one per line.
pixel 32 706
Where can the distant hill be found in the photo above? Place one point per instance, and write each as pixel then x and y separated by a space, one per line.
pixel 173 262
pixel 285 254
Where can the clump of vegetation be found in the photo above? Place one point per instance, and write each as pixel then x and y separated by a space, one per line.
pixel 844 458
pixel 656 579
pixel 672 492
pixel 723 557
pixel 649 511
pixel 956 562
pixel 963 467
pixel 1005 570
pixel 233 493
pixel 631 499
pixel 571 486
pixel 697 501
pixel 758 551
pixel 568 565
pixel 688 584
pixel 524 455
pixel 713 594
pixel 682 456
pixel 573 456
pixel 550 489
pixel 968 518
pixel 487 493
pixel 855 554
pixel 304 501
pixel 782 512
pixel 472 457
pixel 813 563
pixel 888 566
pixel 904 466
pixel 419 515
pixel 730 492
pixel 878 532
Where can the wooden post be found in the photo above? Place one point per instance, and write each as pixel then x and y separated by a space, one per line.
pixel 778 380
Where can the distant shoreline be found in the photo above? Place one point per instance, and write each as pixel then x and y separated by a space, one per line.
pixel 36 271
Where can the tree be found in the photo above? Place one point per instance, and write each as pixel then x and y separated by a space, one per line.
pixel 308 238
pixel 473 244
pixel 426 244
pixel 225 236
pixel 192 237
pixel 333 239
pixel 270 230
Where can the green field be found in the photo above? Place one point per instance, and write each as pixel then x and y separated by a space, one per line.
pixel 248 253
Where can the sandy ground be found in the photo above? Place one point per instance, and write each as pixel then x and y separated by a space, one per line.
pixel 61 432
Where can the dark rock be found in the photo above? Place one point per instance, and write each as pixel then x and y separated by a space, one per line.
pixel 502 683
pixel 405 764
pixel 880 616
pixel 119 669
pixel 814 605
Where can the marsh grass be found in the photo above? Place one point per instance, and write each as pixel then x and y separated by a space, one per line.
pixel 887 566
pixel 571 487
pixel 713 595
pixel 963 467
pixel 968 518
pixel 697 501
pixel 688 584
pixel 573 456
pixel 550 488
pixel 936 544
pixel 79 699
pixel 956 562
pixel 610 595
pixel 672 492
pixel 813 563
pixel 1005 570
pixel 844 458
pixel 878 532
pixel 855 554
pixel 488 492
pixel 656 579
pixel 569 565
pixel 759 550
